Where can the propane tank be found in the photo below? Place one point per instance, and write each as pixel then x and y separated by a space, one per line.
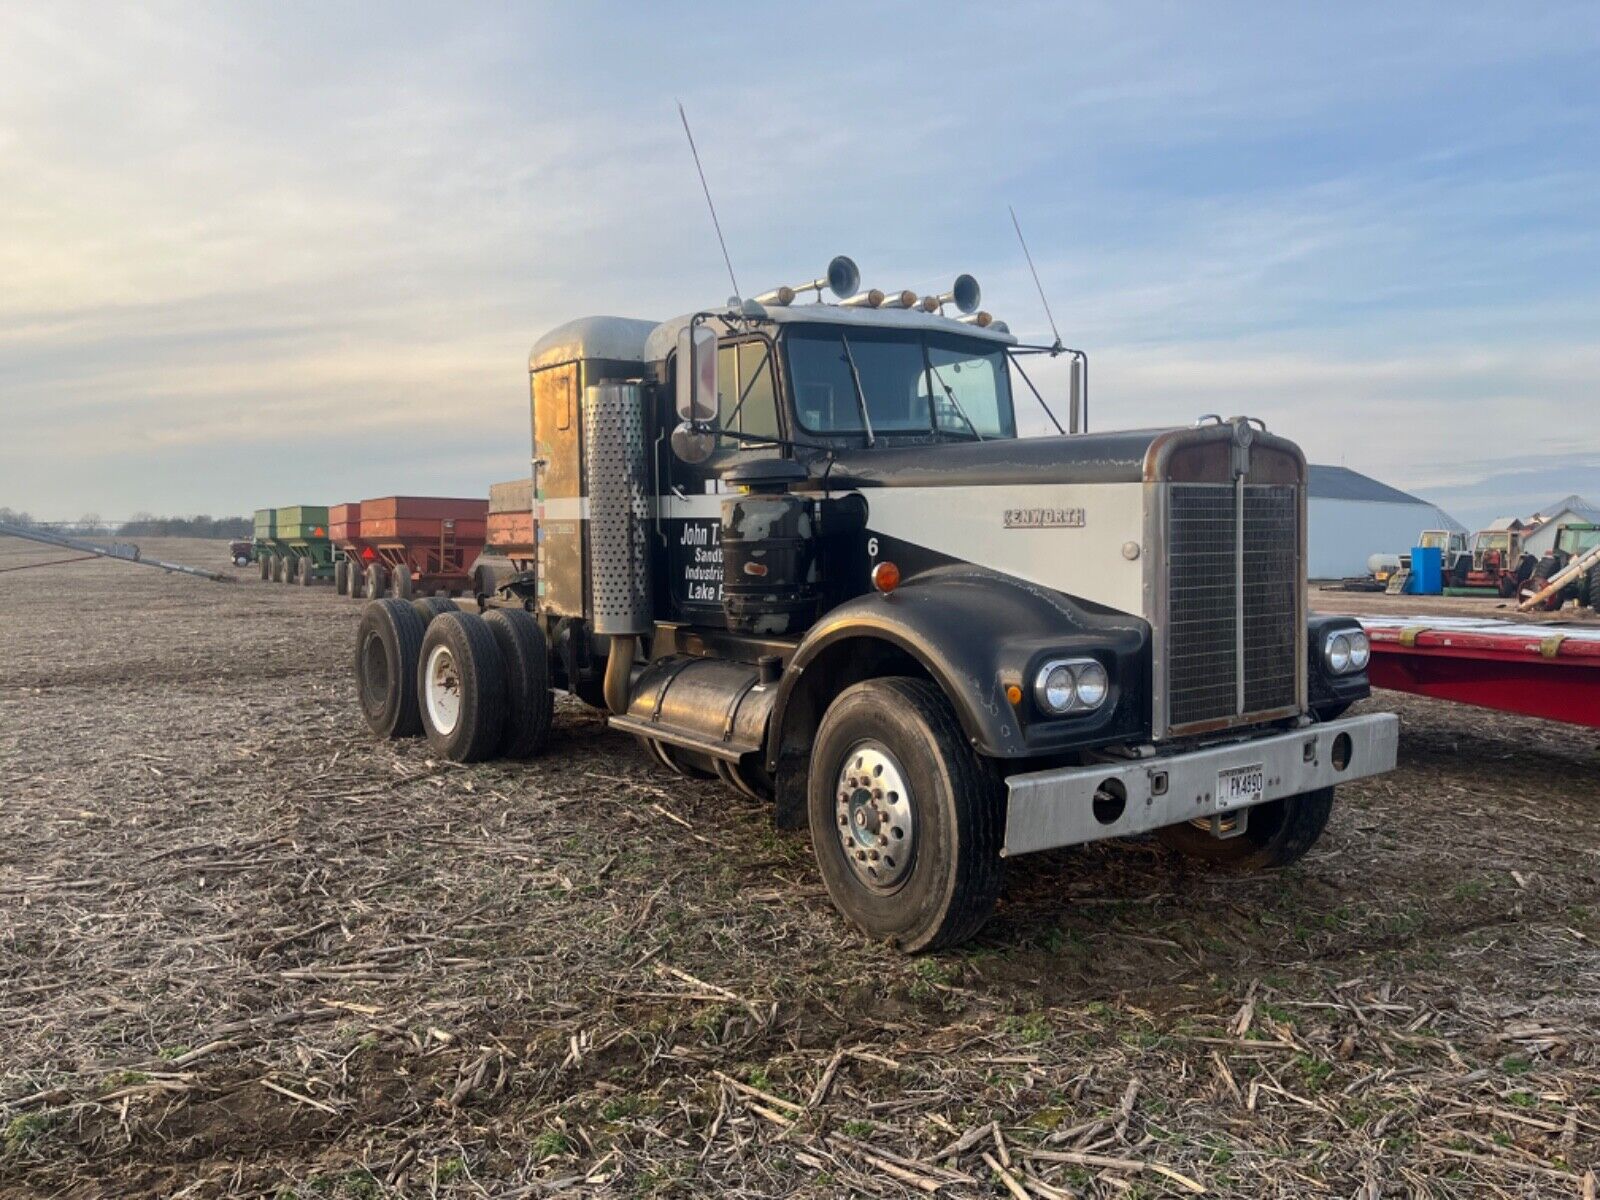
pixel 769 562
pixel 1382 564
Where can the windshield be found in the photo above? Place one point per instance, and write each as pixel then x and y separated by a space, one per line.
pixel 1578 540
pixel 1494 541
pixel 914 382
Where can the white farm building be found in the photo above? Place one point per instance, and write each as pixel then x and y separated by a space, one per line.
pixel 1350 516
pixel 1570 509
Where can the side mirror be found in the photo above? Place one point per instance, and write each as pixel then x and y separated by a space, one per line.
pixel 697 374
pixel 693 443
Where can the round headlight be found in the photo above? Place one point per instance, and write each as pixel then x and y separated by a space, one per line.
pixel 1360 651
pixel 1092 685
pixel 1053 689
pixel 1339 653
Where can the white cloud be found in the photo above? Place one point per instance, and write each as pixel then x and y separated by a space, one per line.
pixel 296 238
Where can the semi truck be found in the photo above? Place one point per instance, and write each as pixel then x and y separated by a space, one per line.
pixel 802 548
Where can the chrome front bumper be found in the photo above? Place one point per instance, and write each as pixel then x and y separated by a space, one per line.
pixel 1057 807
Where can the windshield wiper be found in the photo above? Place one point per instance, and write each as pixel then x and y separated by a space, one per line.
pixel 951 396
pixel 861 396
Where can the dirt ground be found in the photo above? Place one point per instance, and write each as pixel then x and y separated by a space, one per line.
pixel 246 950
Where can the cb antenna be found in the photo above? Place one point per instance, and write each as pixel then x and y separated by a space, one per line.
pixel 1015 224
pixel 715 224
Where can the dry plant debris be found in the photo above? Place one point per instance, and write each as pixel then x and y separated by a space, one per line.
pixel 247 951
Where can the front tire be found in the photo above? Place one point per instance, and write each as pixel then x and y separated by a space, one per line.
pixel 1276 834
pixel 341 577
pixel 906 820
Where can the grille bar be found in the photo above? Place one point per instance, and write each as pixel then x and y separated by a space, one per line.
pixel 1233 570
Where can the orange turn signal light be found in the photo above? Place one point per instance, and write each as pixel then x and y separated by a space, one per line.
pixel 1013 693
pixel 886 577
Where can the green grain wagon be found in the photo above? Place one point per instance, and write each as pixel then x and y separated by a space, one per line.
pixel 264 541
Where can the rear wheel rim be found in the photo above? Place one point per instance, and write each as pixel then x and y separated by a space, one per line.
pixel 874 816
pixel 441 688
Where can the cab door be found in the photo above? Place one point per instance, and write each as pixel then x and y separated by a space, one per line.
pixel 691 501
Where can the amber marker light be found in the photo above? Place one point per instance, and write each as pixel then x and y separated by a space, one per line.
pixel 886 577
pixel 1013 694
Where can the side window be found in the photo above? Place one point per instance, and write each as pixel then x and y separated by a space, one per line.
pixel 759 414
pixel 727 381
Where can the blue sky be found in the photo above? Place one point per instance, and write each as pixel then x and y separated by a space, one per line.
pixel 280 253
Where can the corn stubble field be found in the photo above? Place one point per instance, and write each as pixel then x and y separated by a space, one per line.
pixel 246 950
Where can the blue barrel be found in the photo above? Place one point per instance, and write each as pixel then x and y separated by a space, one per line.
pixel 1427 571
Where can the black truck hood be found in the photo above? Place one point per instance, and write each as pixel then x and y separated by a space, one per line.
pixel 1115 457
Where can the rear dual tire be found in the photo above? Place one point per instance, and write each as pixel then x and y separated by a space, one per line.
pixel 388 646
pixel 530 704
pixel 461 687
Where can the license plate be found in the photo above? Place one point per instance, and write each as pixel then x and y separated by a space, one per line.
pixel 1240 786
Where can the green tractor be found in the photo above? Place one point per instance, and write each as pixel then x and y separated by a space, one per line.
pixel 1574 540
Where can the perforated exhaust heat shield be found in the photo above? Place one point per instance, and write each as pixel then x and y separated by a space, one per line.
pixel 617 474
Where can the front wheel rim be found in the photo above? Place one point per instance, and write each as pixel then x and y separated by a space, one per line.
pixel 875 817
pixel 442 690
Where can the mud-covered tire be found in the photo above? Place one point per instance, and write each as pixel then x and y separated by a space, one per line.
pixel 956 800
pixel 1278 833
pixel 530 705
pixel 280 568
pixel 400 582
pixel 388 644
pixel 308 573
pixel 266 568
pixel 341 577
pixel 429 607
pixel 461 688
pixel 356 583
pixel 377 581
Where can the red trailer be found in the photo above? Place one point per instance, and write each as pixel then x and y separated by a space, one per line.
pixel 344 530
pixel 420 544
pixel 1545 670
pixel 510 536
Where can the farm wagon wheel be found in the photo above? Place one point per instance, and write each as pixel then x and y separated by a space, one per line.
pixel 377 581
pixel 341 577
pixel 402 582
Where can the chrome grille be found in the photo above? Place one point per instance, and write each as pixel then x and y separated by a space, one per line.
pixel 1215 630
pixel 1271 614
pixel 1202 635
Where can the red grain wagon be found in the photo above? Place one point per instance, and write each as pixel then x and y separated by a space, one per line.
pixel 510 536
pixel 344 531
pixel 420 544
